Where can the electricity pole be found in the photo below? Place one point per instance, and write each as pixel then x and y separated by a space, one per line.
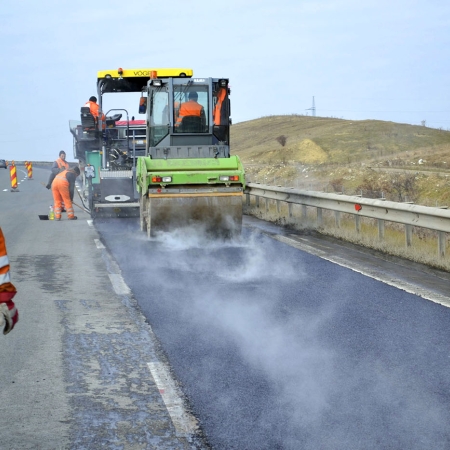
pixel 312 109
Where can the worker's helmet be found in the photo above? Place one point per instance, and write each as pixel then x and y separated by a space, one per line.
pixel 193 95
pixel 62 152
pixel 93 98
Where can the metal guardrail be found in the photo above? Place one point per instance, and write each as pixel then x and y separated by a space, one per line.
pixel 409 214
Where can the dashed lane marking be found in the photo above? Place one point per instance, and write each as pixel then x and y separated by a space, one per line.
pixel 185 424
pixel 98 243
pixel 119 285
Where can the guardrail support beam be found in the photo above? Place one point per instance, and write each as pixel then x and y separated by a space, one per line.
pixel 337 219
pixel 380 229
pixel 319 217
pixel 357 224
pixel 408 235
pixel 442 241
pixel 304 213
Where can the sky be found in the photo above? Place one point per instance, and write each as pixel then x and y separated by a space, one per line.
pixel 358 59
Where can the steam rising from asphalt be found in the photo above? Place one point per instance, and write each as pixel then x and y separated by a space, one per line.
pixel 232 287
pixel 239 304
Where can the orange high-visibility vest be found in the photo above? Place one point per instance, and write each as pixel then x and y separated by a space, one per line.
pixel 62 164
pixel 94 107
pixel 189 108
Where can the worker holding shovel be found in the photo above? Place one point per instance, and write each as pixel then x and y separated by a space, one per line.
pixel 63 187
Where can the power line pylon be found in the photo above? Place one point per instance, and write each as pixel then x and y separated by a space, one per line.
pixel 312 109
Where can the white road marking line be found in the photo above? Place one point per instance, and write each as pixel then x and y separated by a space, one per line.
pixel 405 286
pixel 184 422
pixel 90 222
pixel 119 285
pixel 98 243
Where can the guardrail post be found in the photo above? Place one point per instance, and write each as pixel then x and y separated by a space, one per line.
pixel 337 219
pixel 247 200
pixel 442 241
pixel 257 201
pixel 380 229
pixel 267 205
pixel 278 206
pixel 319 217
pixel 357 224
pixel 304 213
pixel 290 210
pixel 408 235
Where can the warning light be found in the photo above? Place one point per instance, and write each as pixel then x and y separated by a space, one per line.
pixel 358 207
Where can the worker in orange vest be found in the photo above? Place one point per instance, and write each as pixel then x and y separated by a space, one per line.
pixel 63 188
pixel 191 108
pixel 58 166
pixel 94 107
pixel 9 315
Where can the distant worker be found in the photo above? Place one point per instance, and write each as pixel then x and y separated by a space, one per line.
pixel 94 107
pixel 63 188
pixel 58 166
pixel 193 109
pixel 9 315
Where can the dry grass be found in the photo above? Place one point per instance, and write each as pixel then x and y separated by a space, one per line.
pixel 328 154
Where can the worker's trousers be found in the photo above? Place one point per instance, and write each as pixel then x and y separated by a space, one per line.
pixel 61 193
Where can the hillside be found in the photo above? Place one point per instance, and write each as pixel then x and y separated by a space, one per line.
pixel 344 155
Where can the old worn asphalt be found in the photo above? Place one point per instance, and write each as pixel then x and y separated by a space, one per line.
pixel 75 372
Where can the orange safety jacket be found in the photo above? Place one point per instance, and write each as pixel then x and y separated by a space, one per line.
pixel 7 289
pixel 61 164
pixel 66 178
pixel 94 107
pixel 190 108
pixel 58 166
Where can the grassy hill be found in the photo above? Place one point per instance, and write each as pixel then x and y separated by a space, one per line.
pixel 344 155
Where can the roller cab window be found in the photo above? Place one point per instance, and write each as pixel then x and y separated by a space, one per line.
pixel 191 109
pixel 159 117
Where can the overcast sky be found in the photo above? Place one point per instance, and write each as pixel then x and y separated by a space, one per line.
pixel 359 59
